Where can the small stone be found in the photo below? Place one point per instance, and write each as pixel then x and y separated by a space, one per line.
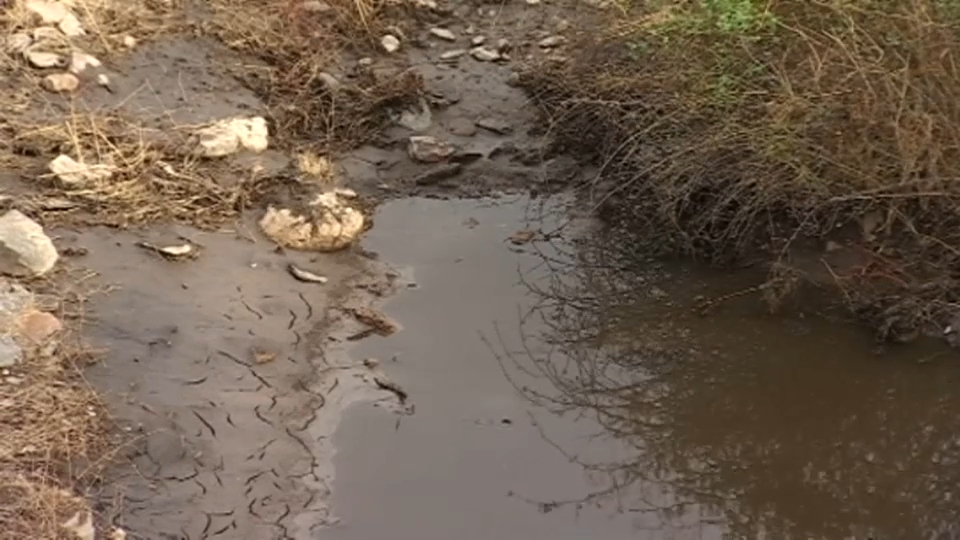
pixel 503 45
pixel 533 2
pixel 48 11
pixel 390 43
pixel 429 149
pixel 331 224
pixel 514 79
pixel 484 54
pixel 428 4
pixel 563 25
pixel 371 363
pixel 18 42
pixel 70 26
pixel 316 6
pixel 129 42
pixel 25 250
pixel 40 59
pixel 73 174
pixel 443 33
pixel 228 136
pixel 103 80
pixel 453 54
pixel 79 62
pixel 10 353
pixel 438 174
pixel 81 525
pixel 328 80
pixel 36 327
pixel 497 126
pixel 365 61
pixel 117 534
pixel 551 42
pixel 462 127
pixel 61 82
pixel 470 30
pixel 833 246
pixel 478 40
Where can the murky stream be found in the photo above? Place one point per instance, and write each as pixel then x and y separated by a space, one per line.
pixel 579 401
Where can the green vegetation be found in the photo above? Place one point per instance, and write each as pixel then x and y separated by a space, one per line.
pixel 748 128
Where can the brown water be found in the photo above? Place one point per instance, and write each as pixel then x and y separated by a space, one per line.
pixel 621 413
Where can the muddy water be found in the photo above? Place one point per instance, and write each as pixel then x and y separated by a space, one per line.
pixel 617 411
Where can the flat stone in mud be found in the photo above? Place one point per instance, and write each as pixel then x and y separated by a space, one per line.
pixel 25 250
pixel 443 34
pixel 497 126
pixel 484 54
pixel 429 149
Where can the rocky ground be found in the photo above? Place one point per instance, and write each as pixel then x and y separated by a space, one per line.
pixel 184 281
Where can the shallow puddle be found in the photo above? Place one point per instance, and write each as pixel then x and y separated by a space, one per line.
pixel 585 402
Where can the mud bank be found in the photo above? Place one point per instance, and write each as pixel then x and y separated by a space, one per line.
pixel 227 376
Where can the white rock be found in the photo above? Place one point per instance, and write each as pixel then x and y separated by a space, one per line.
pixel 478 40
pixel 118 534
pixel 129 42
pixel 81 525
pixel 41 59
pixel 443 33
pixel 80 61
pixel 532 2
pixel 453 55
pixel 316 6
pixel 103 80
pixel 365 61
pixel 73 174
pixel 552 41
pixel 50 12
pixel 390 43
pixel 70 26
pixel 25 250
pixel 429 149
pixel 484 54
pixel 18 42
pixel 428 4
pixel 61 82
pixel 229 136
pixel 331 225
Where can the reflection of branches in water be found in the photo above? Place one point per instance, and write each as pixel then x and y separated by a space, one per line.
pixel 707 437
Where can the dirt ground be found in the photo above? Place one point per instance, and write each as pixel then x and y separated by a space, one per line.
pixel 223 376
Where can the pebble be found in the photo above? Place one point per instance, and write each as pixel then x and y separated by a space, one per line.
pixel 503 45
pixel 533 2
pixel 79 62
pixel 552 41
pixel 40 59
pixel 478 40
pixel 61 82
pixel 129 42
pixel 390 43
pixel 484 54
pixel 48 11
pixel 36 327
pixel 365 61
pixel 443 33
pixel 316 6
pixel 70 26
pixel 10 353
pixel 453 54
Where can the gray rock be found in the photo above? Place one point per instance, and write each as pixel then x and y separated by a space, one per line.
pixel 10 353
pixel 25 250
pixel 443 33
pixel 497 126
pixel 551 42
pixel 429 149
pixel 478 40
pixel 390 43
pixel 484 54
pixel 453 55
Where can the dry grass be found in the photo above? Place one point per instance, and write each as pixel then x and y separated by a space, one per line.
pixel 156 177
pixel 298 49
pixel 737 126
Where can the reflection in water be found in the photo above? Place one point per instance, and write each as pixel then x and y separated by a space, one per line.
pixel 759 426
